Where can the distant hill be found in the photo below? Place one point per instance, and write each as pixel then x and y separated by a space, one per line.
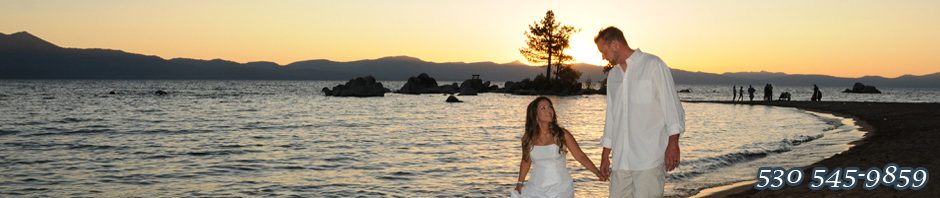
pixel 25 56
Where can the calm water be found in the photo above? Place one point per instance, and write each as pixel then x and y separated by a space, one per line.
pixel 283 138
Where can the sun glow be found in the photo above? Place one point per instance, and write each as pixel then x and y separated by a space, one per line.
pixel 798 37
pixel 584 50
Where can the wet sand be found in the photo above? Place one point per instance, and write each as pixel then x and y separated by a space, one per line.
pixel 904 133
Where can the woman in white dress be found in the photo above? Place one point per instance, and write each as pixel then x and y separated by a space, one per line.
pixel 544 146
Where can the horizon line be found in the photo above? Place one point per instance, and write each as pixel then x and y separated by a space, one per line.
pixel 517 62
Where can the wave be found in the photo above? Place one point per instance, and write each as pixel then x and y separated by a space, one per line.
pixel 77 120
pixel 221 152
pixel 5 132
pixel 760 150
pixel 75 132
pixel 833 122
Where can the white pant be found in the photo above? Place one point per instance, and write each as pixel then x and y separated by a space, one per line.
pixel 638 183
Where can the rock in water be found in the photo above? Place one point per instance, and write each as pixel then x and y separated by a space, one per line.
pixel 452 99
pixel 476 84
pixel 419 85
pixel 327 91
pixel 862 88
pixel 467 90
pixel 358 87
pixel 450 89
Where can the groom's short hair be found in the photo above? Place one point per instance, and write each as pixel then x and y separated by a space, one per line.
pixel 610 34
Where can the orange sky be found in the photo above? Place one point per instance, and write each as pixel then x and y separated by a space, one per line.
pixel 839 38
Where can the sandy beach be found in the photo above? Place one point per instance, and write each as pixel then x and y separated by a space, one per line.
pixel 902 133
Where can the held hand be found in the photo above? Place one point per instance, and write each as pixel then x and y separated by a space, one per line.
pixel 600 176
pixel 605 169
pixel 519 189
pixel 672 156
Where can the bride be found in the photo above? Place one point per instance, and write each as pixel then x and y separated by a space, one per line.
pixel 544 145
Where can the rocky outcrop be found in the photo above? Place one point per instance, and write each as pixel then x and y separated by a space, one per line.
pixel 358 87
pixel 862 88
pixel 419 85
pixel 468 91
pixel 475 85
pixel 450 89
pixel 452 99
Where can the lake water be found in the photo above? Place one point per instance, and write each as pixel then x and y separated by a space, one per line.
pixel 284 138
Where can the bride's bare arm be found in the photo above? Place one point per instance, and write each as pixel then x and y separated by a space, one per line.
pixel 524 166
pixel 579 155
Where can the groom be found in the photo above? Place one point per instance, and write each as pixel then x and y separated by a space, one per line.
pixel 643 121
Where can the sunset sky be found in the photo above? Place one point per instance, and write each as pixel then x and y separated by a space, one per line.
pixel 840 38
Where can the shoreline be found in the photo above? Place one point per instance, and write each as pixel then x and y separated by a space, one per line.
pixel 890 129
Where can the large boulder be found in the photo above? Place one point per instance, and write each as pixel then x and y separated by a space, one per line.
pixel 358 87
pixel 419 85
pixel 472 87
pixel 450 89
pixel 452 99
pixel 468 91
pixel 862 88
pixel 474 84
pixel 511 87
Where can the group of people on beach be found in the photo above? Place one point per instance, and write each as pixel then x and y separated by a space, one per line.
pixel 737 94
pixel 643 122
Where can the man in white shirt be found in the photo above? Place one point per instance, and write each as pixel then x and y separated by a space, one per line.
pixel 643 121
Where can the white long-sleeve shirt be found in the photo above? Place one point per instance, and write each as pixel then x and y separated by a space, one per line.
pixel 643 110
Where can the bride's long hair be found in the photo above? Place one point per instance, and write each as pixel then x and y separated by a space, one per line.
pixel 532 128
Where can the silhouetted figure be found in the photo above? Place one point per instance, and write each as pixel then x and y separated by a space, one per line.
pixel 734 93
pixel 817 95
pixel 784 95
pixel 741 94
pixel 750 92
pixel 768 92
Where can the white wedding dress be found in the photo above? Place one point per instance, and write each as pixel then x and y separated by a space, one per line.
pixel 549 174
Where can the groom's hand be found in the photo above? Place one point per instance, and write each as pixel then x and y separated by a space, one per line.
pixel 672 153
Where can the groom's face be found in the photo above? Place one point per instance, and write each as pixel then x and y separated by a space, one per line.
pixel 607 51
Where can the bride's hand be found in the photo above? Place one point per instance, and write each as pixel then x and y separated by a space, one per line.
pixel 519 188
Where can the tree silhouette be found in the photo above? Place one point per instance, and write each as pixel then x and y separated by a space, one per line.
pixel 546 41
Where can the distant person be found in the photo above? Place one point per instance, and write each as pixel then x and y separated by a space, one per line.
pixel 734 93
pixel 544 145
pixel 750 92
pixel 817 95
pixel 768 92
pixel 741 93
pixel 784 96
pixel 643 122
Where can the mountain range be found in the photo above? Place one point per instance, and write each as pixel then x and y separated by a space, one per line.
pixel 25 56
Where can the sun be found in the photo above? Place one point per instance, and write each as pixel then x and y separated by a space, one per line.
pixel 585 51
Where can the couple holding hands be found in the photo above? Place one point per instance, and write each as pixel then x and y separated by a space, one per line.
pixel 643 121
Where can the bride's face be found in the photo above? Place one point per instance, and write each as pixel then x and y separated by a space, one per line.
pixel 546 111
